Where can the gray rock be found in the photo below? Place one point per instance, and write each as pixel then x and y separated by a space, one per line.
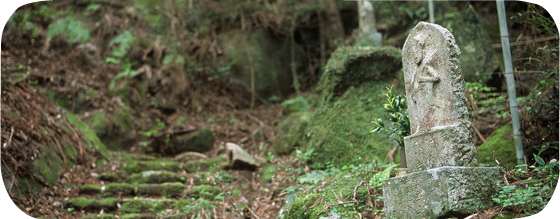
pixel 239 158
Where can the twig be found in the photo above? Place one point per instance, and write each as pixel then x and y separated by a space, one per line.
pixel 356 189
pixel 478 134
pixel 253 213
pixel 77 138
pixel 61 153
pixel 10 139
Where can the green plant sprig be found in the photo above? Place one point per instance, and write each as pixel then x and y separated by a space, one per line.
pixel 396 107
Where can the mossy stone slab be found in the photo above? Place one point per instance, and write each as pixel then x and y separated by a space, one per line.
pixel 169 189
pixel 139 166
pixel 203 165
pixel 156 176
pixel 291 132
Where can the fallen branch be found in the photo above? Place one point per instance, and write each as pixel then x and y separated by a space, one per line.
pixel 356 189
pixel 478 134
pixel 10 139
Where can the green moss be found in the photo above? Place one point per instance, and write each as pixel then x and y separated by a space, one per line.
pixel 82 203
pixel 169 189
pixel 98 216
pixel 139 166
pixel 294 105
pixel 180 204
pixel 501 146
pixel 111 177
pixel 119 188
pixel 291 132
pixel 342 127
pixel 351 66
pixel 48 165
pixel 132 216
pixel 149 205
pixel 90 136
pixel 151 176
pixel 235 193
pixel 202 165
pixel 205 191
pixel 268 173
pixel 90 189
pixel 335 189
pixel 59 99
pixel 26 185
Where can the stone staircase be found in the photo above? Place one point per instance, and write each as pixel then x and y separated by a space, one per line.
pixel 145 187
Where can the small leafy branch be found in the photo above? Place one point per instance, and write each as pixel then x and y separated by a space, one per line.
pixel 396 107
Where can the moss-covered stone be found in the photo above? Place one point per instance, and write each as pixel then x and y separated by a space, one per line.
pixel 152 176
pixel 119 188
pixel 139 166
pixel 290 132
pixel 269 55
pixel 82 203
pixel 48 164
pixel 499 146
pixel 111 177
pixel 92 141
pixel 90 189
pixel 138 216
pixel 26 185
pixel 338 129
pixel 146 205
pixel 203 165
pixel 135 157
pixel 98 216
pixel 339 188
pixel 351 66
pixel 478 59
pixel 199 141
pixel 294 105
pixel 169 189
pixel 205 191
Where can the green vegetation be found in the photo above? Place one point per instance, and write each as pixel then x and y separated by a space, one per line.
pixel 398 116
pixel 500 147
pixel 533 194
pixel 71 29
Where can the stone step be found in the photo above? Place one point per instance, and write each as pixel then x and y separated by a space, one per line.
pixel 174 166
pixel 162 176
pixel 127 205
pixel 168 189
pixel 138 216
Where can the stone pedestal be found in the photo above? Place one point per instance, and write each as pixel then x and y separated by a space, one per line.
pixel 441 146
pixel 441 192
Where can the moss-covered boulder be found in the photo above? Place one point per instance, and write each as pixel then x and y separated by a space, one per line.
pixel 478 59
pixel 113 129
pixel 290 132
pixel 352 66
pixel 199 141
pixel 324 199
pixel 353 88
pixel 500 146
pixel 269 55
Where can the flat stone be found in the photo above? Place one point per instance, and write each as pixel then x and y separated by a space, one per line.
pixel 239 158
pixel 170 189
pixel 139 166
pixel 441 192
pixel 156 176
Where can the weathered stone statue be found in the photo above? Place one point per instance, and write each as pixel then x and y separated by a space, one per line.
pixel 442 180
pixel 369 36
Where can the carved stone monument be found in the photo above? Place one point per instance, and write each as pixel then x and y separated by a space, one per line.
pixel 443 179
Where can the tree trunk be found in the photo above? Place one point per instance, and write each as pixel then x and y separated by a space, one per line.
pixel 334 28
